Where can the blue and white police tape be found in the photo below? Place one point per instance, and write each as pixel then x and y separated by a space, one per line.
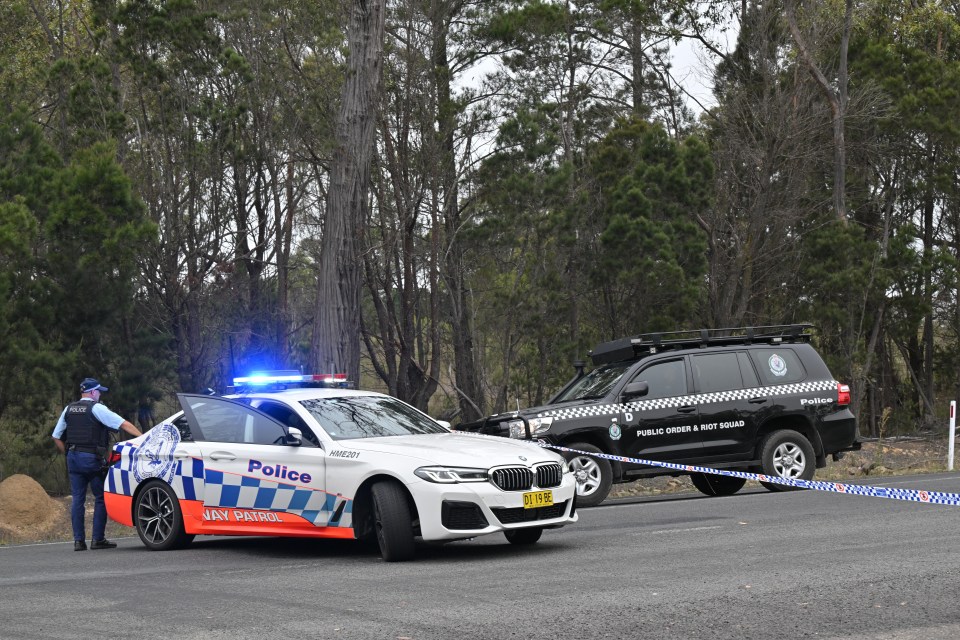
pixel 910 495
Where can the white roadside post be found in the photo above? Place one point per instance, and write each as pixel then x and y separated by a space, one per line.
pixel 953 434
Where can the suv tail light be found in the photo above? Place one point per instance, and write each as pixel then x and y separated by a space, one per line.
pixel 113 458
pixel 843 394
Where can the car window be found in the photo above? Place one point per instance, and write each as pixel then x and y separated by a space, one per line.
pixel 369 417
pixel 666 379
pixel 717 372
pixel 595 384
pixel 746 370
pixel 285 415
pixel 183 426
pixel 222 420
pixel 778 366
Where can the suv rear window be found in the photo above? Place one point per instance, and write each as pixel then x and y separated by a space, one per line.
pixel 717 372
pixel 778 366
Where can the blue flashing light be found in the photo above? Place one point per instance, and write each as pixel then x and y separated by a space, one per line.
pixel 268 377
pixel 283 379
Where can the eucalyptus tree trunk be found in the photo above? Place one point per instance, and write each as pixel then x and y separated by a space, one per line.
pixel 336 335
pixel 467 376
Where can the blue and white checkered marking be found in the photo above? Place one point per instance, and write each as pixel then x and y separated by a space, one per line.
pixel 120 477
pixel 910 495
pixel 613 409
pixel 191 481
pixel 188 479
pixel 245 492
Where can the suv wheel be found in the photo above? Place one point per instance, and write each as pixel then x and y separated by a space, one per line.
pixel 714 485
pixel 787 454
pixel 594 475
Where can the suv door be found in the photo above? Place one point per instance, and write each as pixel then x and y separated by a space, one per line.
pixel 728 411
pixel 255 480
pixel 660 425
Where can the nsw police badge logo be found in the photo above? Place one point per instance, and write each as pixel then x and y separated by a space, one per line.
pixel 154 458
pixel 778 366
pixel 615 432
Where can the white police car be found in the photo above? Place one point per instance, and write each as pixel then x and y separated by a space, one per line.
pixel 330 463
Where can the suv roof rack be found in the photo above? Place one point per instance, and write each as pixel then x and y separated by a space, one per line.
pixel 636 346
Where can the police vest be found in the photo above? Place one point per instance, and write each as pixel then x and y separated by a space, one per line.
pixel 83 428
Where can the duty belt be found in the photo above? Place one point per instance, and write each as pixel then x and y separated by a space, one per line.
pixel 79 449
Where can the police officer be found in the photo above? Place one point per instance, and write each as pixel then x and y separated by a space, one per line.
pixel 82 433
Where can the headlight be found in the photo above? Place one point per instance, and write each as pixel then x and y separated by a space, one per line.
pixel 451 475
pixel 537 427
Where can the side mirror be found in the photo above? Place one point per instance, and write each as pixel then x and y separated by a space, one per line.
pixel 636 389
pixel 294 437
pixel 444 424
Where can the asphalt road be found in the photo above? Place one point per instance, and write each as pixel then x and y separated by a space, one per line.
pixel 753 565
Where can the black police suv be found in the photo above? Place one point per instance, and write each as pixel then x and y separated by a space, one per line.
pixel 750 398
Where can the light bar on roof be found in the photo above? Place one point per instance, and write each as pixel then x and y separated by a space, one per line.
pixel 269 377
pixel 326 377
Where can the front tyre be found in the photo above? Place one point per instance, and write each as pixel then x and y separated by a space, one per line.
pixel 594 475
pixel 787 454
pixel 158 518
pixel 523 536
pixel 716 485
pixel 392 522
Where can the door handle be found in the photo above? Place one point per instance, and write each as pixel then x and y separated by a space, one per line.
pixel 180 454
pixel 757 400
pixel 690 408
pixel 222 455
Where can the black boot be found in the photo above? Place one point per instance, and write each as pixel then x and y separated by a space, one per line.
pixel 103 544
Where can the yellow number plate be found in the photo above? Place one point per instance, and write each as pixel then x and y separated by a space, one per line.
pixel 535 499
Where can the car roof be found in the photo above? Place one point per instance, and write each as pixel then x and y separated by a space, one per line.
pixel 640 346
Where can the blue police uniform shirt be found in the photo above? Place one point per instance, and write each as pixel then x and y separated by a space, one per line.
pixel 106 417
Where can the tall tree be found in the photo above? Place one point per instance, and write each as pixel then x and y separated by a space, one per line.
pixel 834 90
pixel 336 338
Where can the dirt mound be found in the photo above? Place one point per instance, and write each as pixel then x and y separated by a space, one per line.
pixel 26 511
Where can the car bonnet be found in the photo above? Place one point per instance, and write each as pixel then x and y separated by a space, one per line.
pixel 454 449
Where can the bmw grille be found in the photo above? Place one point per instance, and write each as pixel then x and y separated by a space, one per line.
pixel 522 478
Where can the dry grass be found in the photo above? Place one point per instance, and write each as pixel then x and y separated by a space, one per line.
pixel 62 530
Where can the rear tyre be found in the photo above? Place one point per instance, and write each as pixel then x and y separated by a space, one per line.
pixel 523 536
pixel 158 518
pixel 787 454
pixel 392 522
pixel 714 485
pixel 594 475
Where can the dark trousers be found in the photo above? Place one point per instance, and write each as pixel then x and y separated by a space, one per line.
pixel 84 470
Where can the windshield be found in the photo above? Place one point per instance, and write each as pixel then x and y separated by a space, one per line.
pixel 369 417
pixel 595 384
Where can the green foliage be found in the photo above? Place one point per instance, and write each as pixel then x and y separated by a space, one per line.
pixel 29 354
pixel 521 27
pixel 647 190
pixel 69 239
pixel 581 225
